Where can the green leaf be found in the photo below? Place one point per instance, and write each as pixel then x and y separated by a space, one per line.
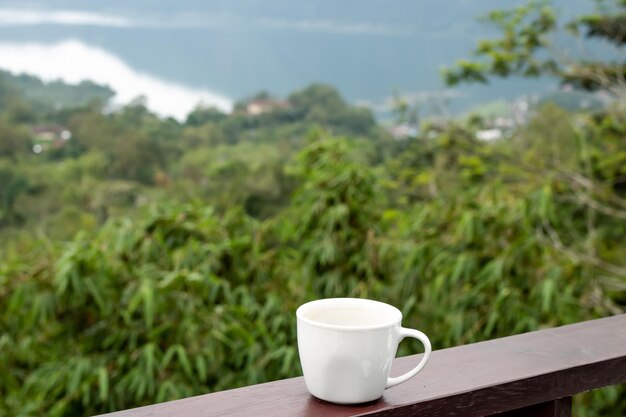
pixel 103 384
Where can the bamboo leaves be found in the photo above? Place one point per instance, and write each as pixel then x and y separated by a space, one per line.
pixel 186 300
pixel 103 384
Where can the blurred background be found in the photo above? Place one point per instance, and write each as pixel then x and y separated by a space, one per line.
pixel 220 51
pixel 177 177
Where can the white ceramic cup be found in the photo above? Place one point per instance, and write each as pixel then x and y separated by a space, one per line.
pixel 347 345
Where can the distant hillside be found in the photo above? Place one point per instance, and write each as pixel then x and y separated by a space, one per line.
pixel 576 100
pixel 56 94
pixel 367 49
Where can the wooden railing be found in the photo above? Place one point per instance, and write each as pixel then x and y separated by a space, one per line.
pixel 531 374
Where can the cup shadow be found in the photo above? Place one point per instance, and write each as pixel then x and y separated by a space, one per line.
pixel 316 406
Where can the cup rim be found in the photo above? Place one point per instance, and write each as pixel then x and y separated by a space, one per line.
pixel 395 311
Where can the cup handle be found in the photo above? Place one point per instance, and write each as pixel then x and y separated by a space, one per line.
pixel 427 349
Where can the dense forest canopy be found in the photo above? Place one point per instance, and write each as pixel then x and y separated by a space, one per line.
pixel 145 259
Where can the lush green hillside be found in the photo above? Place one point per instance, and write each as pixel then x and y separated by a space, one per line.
pixel 55 94
pixel 197 242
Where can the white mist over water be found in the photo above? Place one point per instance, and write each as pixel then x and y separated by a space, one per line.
pixel 13 17
pixel 26 17
pixel 73 61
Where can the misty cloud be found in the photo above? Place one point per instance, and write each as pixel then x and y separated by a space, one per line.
pixel 15 17
pixel 35 17
pixel 73 61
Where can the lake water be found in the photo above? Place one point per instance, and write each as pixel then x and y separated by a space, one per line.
pixel 180 53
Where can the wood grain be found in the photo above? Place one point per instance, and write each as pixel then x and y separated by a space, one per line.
pixel 474 380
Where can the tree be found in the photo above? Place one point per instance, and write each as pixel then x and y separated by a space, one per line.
pixel 135 157
pixel 323 105
pixel 526 36
pixel 335 211
pixel 56 94
pixel 202 115
pixel 14 140
pixel 12 185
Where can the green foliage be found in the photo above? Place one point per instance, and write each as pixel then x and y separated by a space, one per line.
pixel 573 101
pixel 244 174
pixel 14 140
pixel 56 94
pixel 527 33
pixel 337 208
pixel 183 294
pixel 13 184
pixel 149 260
pixel 202 115
pixel 322 105
pixel 609 23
